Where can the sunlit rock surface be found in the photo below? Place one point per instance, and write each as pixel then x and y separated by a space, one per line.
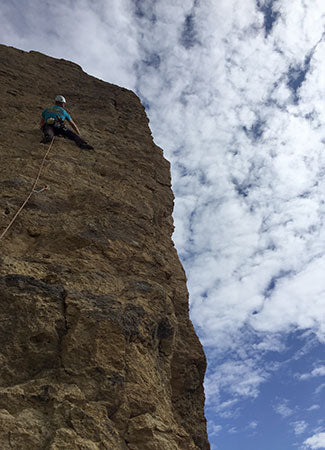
pixel 96 347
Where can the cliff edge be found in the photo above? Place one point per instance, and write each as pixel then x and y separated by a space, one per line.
pixel 96 347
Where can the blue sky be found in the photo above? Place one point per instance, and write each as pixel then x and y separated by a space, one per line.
pixel 235 96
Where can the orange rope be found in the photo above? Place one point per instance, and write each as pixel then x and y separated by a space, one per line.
pixel 31 192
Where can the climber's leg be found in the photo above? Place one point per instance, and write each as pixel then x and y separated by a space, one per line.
pixel 48 132
pixel 69 134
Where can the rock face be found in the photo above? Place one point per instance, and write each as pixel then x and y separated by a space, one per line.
pixel 96 347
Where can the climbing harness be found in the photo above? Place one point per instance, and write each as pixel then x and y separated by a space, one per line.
pixel 33 190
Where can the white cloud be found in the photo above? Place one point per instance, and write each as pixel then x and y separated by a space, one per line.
pixel 252 425
pixel 215 429
pixel 319 388
pixel 299 427
pixel 239 378
pixel 313 407
pixel 283 409
pixel 299 312
pixel 316 441
pixel 317 372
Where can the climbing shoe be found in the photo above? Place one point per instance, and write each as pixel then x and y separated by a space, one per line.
pixel 46 140
pixel 86 146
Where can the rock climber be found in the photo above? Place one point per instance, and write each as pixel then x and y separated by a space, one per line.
pixel 52 124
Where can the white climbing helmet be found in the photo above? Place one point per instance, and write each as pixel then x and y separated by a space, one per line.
pixel 60 98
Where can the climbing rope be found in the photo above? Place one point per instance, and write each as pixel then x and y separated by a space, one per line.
pixel 33 190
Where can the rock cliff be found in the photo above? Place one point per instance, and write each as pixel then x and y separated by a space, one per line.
pixel 96 347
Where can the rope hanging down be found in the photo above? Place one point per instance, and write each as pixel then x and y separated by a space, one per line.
pixel 31 192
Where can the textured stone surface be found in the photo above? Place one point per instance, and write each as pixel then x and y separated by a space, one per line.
pixel 96 347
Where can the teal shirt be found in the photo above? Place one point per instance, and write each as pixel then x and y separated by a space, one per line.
pixel 54 112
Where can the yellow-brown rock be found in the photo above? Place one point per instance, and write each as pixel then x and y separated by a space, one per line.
pixel 97 349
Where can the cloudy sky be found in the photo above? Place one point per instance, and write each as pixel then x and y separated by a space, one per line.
pixel 234 90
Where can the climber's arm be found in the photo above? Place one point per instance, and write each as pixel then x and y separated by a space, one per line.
pixel 42 122
pixel 74 126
